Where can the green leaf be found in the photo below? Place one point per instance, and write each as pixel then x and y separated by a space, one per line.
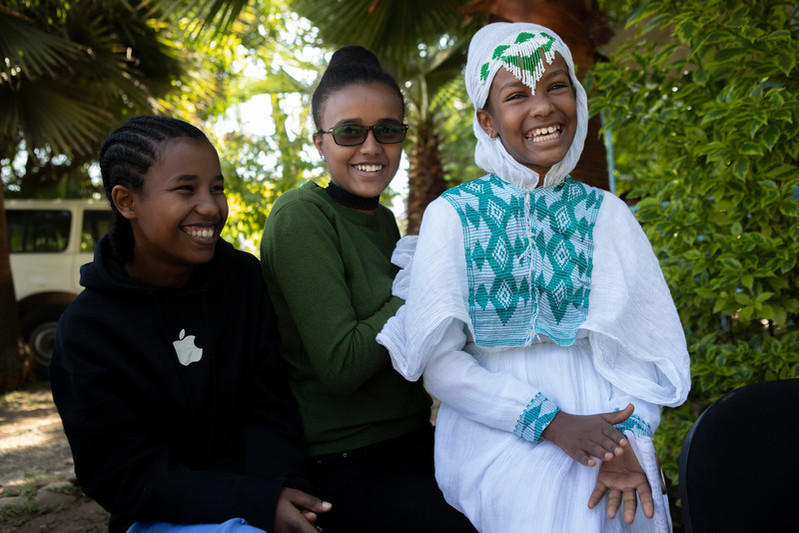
pixel 778 283
pixel 720 305
pixel 750 148
pixel 701 76
pixel 779 35
pixel 656 22
pixel 763 296
pixel 665 53
pixel 786 62
pixel 782 114
pixel 754 127
pixel 743 298
pixel 790 208
pixel 740 168
pixel 715 114
pixel 733 53
pixel 707 294
pixel 779 316
pixel 784 172
pixel 641 12
pixel 731 263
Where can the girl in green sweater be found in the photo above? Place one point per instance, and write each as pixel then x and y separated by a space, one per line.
pixel 326 254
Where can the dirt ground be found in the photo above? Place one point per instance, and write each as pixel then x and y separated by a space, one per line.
pixel 34 454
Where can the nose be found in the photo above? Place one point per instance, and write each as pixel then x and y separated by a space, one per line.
pixel 370 144
pixel 208 204
pixel 540 105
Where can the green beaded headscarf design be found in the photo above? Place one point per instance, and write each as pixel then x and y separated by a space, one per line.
pixel 524 58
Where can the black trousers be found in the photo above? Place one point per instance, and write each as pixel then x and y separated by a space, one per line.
pixel 387 487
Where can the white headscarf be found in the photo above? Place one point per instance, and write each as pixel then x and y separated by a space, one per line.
pixel 535 46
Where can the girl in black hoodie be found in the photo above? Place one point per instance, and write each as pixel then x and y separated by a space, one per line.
pixel 166 373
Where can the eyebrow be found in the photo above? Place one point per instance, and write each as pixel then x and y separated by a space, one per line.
pixel 513 83
pixel 552 73
pixel 360 121
pixel 186 178
pixel 183 178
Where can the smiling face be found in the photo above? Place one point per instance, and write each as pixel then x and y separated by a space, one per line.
pixel 177 216
pixel 366 169
pixel 536 129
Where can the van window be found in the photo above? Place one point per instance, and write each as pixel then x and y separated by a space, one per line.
pixel 38 230
pixel 95 225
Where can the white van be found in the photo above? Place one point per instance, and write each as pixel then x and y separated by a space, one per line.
pixel 48 242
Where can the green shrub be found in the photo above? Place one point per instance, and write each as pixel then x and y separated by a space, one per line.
pixel 703 105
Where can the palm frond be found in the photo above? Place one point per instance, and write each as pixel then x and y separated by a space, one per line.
pixel 49 116
pixel 217 14
pixel 277 83
pixel 30 51
pixel 390 28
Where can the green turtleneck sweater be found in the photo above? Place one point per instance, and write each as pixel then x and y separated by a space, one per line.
pixel 329 275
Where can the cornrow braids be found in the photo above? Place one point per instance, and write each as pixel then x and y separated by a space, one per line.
pixel 126 156
pixel 350 65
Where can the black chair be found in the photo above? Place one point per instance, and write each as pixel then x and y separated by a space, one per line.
pixel 739 465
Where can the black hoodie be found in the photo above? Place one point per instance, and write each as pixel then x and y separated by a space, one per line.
pixel 156 439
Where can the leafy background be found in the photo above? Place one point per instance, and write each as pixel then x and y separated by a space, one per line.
pixel 706 138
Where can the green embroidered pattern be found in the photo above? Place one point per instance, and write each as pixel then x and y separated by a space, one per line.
pixel 528 258
pixel 637 425
pixel 535 418
pixel 523 57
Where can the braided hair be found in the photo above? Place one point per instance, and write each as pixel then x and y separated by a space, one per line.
pixel 350 65
pixel 126 156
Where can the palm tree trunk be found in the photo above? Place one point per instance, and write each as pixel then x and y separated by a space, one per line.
pixel 425 175
pixel 15 357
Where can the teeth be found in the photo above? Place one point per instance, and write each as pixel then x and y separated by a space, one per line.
pixel 204 233
pixel 544 134
pixel 542 138
pixel 368 168
pixel 544 131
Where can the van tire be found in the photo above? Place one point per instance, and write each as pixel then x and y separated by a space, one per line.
pixel 38 328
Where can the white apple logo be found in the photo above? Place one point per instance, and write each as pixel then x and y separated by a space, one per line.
pixel 187 352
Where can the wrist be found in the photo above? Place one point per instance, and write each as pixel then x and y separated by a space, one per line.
pixel 535 418
pixel 637 425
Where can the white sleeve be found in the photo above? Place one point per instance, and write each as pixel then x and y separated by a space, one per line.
pixel 634 329
pixel 496 399
pixel 435 292
pixel 429 332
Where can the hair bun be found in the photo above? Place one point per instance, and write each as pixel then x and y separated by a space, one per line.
pixel 353 54
pixel 350 65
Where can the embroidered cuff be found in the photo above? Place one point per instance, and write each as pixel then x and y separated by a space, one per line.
pixel 535 418
pixel 636 424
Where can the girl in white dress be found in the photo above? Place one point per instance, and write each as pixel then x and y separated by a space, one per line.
pixel 538 314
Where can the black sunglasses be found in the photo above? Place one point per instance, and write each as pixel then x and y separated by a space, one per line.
pixel 355 134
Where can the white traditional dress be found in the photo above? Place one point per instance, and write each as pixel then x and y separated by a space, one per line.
pixel 522 301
